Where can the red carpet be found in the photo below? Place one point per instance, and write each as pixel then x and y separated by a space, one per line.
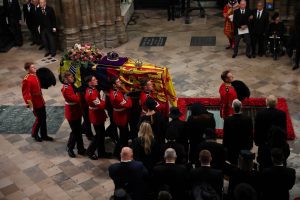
pixel 252 103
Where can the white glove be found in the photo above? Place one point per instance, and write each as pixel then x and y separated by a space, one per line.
pixel 102 95
pixel 54 30
pixel 39 29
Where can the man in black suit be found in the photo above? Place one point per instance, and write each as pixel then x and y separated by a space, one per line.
pixel 260 23
pixel 267 118
pixel 241 21
pixel 206 175
pixel 238 133
pixel 277 180
pixel 171 176
pixel 13 17
pixel 47 27
pixel 216 149
pixel 129 174
pixel 29 18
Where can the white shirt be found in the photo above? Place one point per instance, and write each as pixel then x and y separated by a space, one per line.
pixel 242 11
pixel 259 13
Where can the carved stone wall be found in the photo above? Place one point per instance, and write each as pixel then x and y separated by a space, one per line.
pixel 97 22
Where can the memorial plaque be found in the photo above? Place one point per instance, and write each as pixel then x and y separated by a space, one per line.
pixel 153 41
pixel 203 41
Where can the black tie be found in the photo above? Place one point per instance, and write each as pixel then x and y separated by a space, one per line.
pixel 43 11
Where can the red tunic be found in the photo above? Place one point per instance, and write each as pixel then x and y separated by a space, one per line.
pixel 72 103
pixel 228 25
pixel 97 114
pixel 227 94
pixel 31 91
pixel 121 105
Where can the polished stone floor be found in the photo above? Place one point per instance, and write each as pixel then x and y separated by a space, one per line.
pixel 30 170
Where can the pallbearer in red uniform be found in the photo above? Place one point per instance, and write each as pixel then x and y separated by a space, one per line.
pixel 121 104
pixel 148 92
pixel 227 94
pixel 34 100
pixel 97 115
pixel 73 114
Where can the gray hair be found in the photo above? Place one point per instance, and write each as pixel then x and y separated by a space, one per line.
pixel 170 153
pixel 237 106
pixel 271 101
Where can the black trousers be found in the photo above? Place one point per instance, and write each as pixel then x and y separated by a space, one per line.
pixel 86 125
pixel 171 11
pixel 40 122
pixel 297 59
pixel 258 39
pixel 15 28
pixel 247 40
pixel 98 141
pixel 122 140
pixel 48 40
pixel 75 135
pixel 35 36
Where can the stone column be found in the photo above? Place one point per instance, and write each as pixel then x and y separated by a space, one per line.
pixel 71 30
pixel 95 31
pixel 100 21
pixel 86 36
pixel 111 39
pixel 78 13
pixel 120 26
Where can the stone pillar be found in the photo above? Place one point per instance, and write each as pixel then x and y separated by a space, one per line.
pixel 78 13
pixel 100 21
pixel 111 39
pixel 86 36
pixel 120 26
pixel 71 30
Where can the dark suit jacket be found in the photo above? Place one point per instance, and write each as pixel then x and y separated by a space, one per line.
pixel 240 20
pixel 12 10
pixel 260 25
pixel 278 28
pixel 217 152
pixel 238 132
pixel 172 176
pixel 276 182
pixel 130 176
pixel 264 120
pixel 29 16
pixel 47 21
pixel 214 177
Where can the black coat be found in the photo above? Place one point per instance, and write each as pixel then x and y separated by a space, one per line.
pixel 203 174
pixel 47 21
pixel 217 151
pixel 149 160
pixel 238 132
pixel 131 176
pixel 181 128
pixel 276 182
pixel 29 16
pixel 12 10
pixel 171 176
pixel 278 28
pixel 259 26
pixel 264 120
pixel 240 20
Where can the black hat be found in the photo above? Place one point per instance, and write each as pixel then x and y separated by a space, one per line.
pixel 246 154
pixel 150 103
pixel 198 109
pixel 174 113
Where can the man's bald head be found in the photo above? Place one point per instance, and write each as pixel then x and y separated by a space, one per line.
pixel 126 154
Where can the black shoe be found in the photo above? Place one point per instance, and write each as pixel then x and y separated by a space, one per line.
pixel 32 43
pixel 37 138
pixel 260 55
pixel 234 55
pixel 53 55
pixel 47 54
pixel 47 138
pixel 105 155
pixel 93 157
pixel 41 47
pixel 228 47
pixel 296 67
pixel 82 152
pixel 249 56
pixel 253 56
pixel 71 153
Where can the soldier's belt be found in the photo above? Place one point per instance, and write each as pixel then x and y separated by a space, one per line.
pixel 119 109
pixel 93 108
pixel 36 94
pixel 70 103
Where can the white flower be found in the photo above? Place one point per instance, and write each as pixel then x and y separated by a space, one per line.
pixel 77 46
